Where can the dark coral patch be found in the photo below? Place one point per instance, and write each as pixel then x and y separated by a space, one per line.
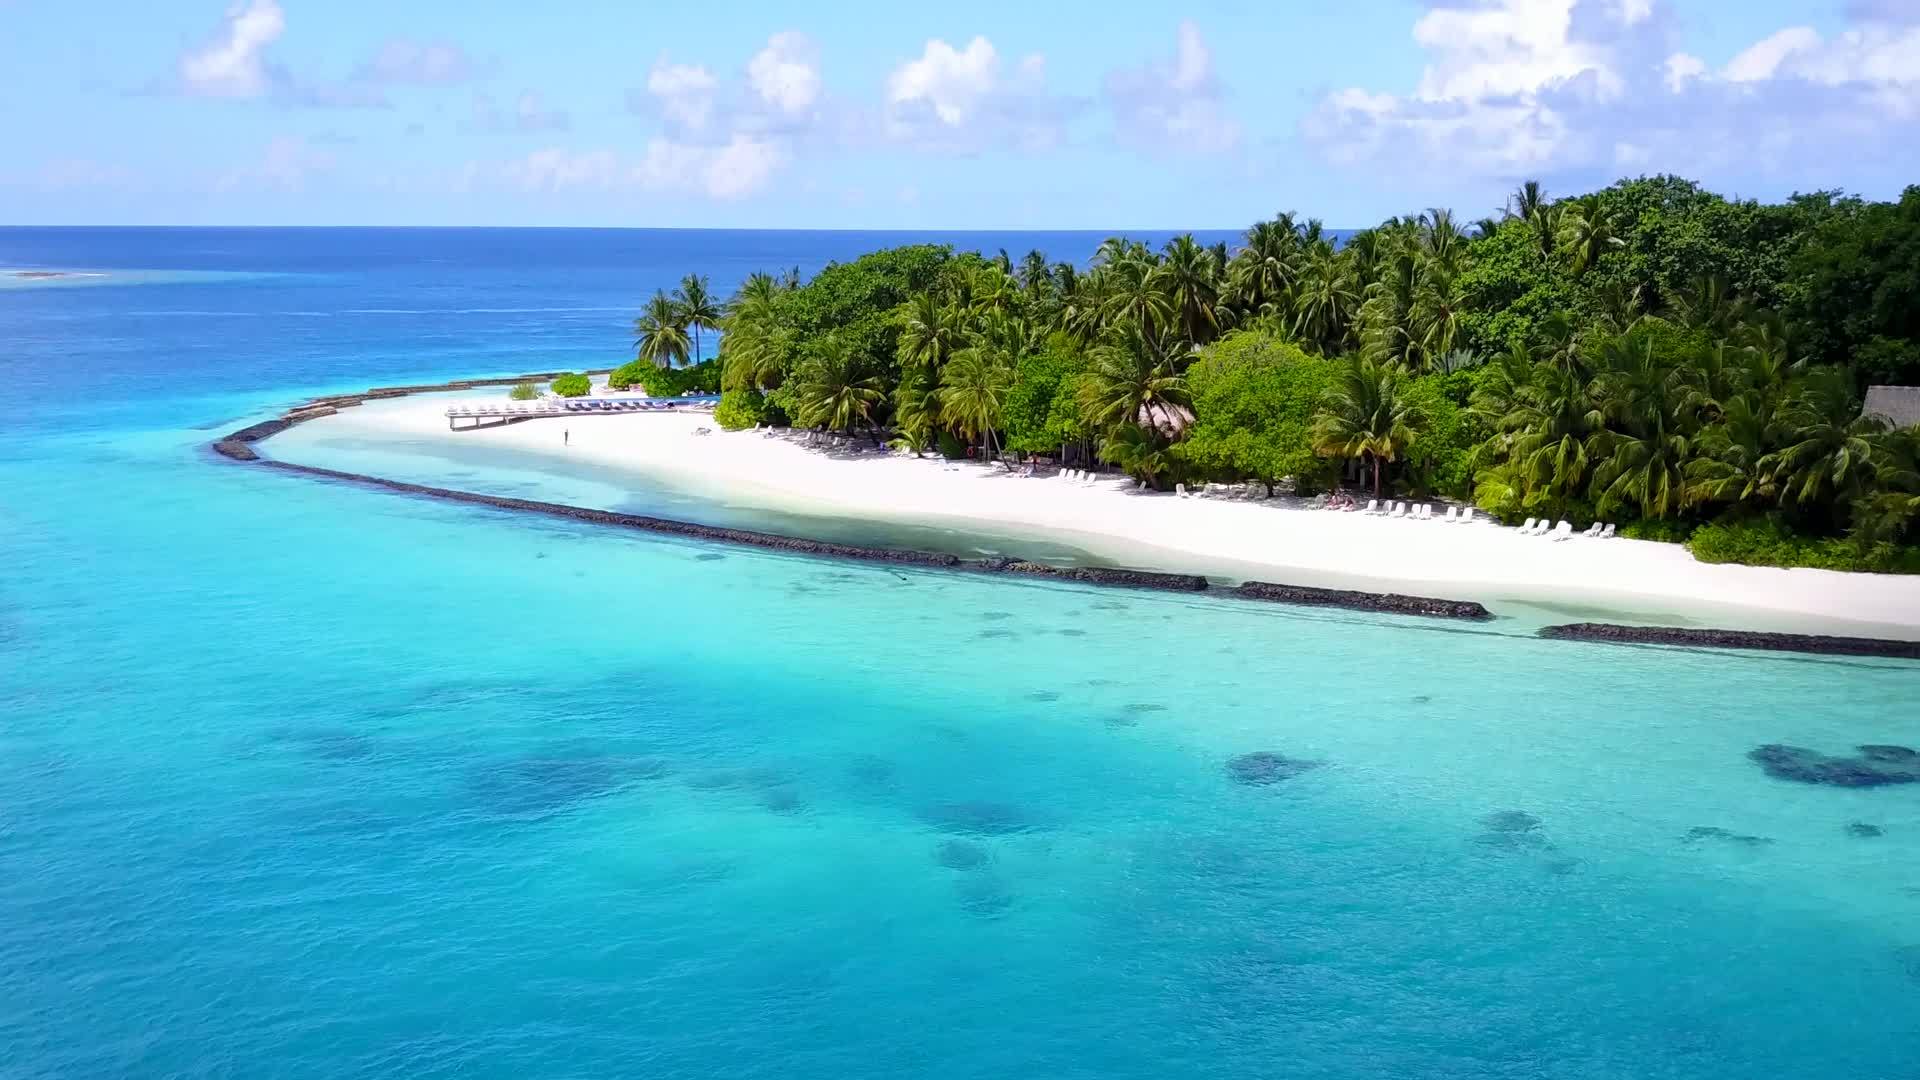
pixel 978 818
pixel 1864 830
pixel 961 855
pixel 1510 821
pixel 1266 767
pixel 1714 832
pixel 1873 766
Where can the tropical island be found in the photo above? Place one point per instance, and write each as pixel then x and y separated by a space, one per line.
pixel 1651 362
pixel 1689 366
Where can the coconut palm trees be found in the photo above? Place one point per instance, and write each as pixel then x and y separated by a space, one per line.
pixel 1189 277
pixel 697 309
pixel 1365 416
pixel 754 345
pixel 972 390
pixel 1132 382
pixel 833 392
pixel 661 331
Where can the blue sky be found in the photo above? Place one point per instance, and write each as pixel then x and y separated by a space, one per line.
pixel 862 114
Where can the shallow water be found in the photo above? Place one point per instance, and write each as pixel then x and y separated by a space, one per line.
pixel 299 779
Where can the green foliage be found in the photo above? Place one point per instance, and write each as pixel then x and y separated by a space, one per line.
pixel 525 391
pixel 703 378
pixel 1254 400
pixel 1665 530
pixel 1764 542
pixel 740 409
pixel 1440 459
pixel 572 385
pixel 1857 284
pixel 1652 353
pixel 1040 411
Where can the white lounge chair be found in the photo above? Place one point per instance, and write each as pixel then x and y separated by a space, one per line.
pixel 1399 510
pixel 1466 515
pixel 1592 530
pixel 1373 506
pixel 1606 533
pixel 1426 511
pixel 1451 518
pixel 1527 529
pixel 1563 531
pixel 1180 490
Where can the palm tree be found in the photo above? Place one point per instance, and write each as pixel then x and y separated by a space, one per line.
pixel 1035 275
pixel 1829 446
pixel 753 345
pixel 662 332
pixel 930 332
pixel 1587 233
pixel 1130 380
pixel 1131 291
pixel 1325 300
pixel 832 391
pixel 697 309
pixel 1265 270
pixel 1190 277
pixel 1365 416
pixel 1653 404
pixel 1733 466
pixel 972 391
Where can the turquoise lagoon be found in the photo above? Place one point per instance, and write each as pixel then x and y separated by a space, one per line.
pixel 300 779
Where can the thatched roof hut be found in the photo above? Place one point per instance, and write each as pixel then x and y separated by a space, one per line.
pixel 1897 405
pixel 1168 420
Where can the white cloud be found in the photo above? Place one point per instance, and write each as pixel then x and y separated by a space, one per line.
pixel 786 73
pixel 684 92
pixel 285 165
pixel 947 82
pixel 740 167
pixel 1763 58
pixel 964 100
pixel 1174 108
pixel 558 170
pixel 1681 69
pixel 1517 88
pixel 405 62
pixel 527 115
pixel 230 64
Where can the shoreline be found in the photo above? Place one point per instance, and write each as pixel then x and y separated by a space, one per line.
pixel 751 465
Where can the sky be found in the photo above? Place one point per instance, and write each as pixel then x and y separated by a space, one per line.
pixel 886 115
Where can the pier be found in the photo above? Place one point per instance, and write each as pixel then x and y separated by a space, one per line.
pixel 494 414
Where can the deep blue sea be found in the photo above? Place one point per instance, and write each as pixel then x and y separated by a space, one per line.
pixel 304 780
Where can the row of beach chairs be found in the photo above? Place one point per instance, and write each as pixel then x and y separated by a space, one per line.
pixel 1564 530
pixel 545 407
pixel 1076 476
pixel 1418 512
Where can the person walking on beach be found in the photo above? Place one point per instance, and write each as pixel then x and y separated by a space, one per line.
pixel 566 437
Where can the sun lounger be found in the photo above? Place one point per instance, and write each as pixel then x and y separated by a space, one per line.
pixel 1451 516
pixel 1399 510
pixel 1527 529
pixel 1466 515
pixel 1180 490
pixel 1606 533
pixel 1373 506
pixel 1563 531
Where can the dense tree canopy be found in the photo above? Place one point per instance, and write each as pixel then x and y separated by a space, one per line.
pixel 1651 353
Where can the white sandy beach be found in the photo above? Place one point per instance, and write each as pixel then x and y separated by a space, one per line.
pixel 1576 579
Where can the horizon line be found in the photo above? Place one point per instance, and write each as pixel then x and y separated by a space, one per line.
pixel 678 228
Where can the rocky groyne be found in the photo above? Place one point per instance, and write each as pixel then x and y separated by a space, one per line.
pixel 1733 639
pixel 1386 603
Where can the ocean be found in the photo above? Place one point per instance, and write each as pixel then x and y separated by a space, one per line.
pixel 302 780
